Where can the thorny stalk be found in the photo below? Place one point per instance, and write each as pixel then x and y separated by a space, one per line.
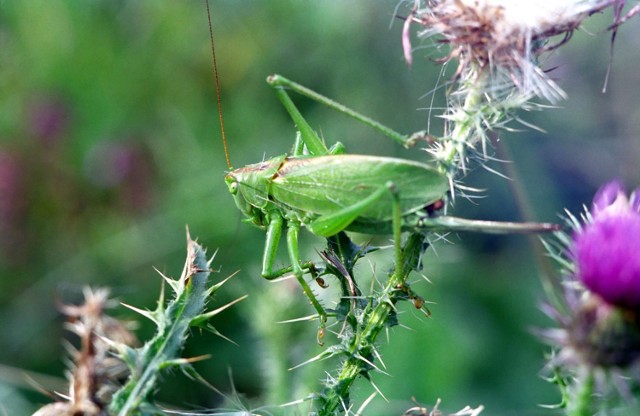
pixel 498 73
pixel 367 318
pixel 96 388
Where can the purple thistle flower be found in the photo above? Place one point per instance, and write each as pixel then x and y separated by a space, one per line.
pixel 606 250
pixel 598 340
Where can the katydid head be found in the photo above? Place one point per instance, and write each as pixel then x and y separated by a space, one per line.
pixel 252 213
pixel 250 186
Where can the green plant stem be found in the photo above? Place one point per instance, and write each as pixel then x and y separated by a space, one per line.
pixel 550 283
pixel 582 405
pixel 464 120
pixel 376 317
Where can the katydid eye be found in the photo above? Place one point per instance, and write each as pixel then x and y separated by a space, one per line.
pixel 233 187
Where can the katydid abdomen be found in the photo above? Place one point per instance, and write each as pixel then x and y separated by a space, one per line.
pixel 327 184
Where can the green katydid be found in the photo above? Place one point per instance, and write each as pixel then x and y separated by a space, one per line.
pixel 327 191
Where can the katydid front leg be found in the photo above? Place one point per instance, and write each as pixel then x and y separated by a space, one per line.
pixel 274 232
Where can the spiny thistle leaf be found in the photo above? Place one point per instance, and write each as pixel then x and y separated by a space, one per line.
pixel 173 321
pixel 204 317
pixel 150 315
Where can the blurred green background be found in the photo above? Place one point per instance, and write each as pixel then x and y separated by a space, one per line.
pixel 110 145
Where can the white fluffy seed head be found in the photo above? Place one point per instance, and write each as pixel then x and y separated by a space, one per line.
pixel 506 36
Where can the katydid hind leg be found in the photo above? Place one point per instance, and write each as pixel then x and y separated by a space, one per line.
pixel 312 141
pixel 298 146
pixel 331 224
pixel 280 83
pixel 397 230
pixel 337 149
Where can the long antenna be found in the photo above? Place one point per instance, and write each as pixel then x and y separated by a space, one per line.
pixel 215 70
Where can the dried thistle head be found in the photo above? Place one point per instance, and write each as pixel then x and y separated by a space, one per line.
pixel 498 45
pixel 96 371
pixel 505 36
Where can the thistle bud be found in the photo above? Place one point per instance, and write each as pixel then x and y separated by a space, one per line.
pixel 606 250
pixel 603 335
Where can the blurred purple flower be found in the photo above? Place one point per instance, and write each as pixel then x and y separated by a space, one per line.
pixel 606 250
pixel 124 167
pixel 48 119
pixel 10 186
pixel 12 206
pixel 109 163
